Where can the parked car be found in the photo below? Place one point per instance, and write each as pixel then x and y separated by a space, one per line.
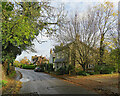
pixel 38 69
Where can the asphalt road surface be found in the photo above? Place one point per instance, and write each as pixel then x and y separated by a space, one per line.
pixel 41 83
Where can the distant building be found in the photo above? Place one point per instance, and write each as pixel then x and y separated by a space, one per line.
pixel 68 54
pixel 59 63
pixel 52 56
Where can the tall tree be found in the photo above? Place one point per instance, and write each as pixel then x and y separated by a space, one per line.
pixel 106 24
pixel 21 24
pixel 81 32
pixel 99 21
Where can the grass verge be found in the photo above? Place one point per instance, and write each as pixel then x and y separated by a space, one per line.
pixel 10 85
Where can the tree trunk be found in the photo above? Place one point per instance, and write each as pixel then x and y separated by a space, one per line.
pixel 101 49
pixel 8 68
pixel 83 66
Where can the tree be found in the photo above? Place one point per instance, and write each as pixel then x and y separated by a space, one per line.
pixel 22 22
pixel 25 61
pixel 81 32
pixel 114 58
pixel 99 21
pixel 106 24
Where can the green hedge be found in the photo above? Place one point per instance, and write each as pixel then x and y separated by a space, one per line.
pixel 24 66
pixel 60 71
pixel 93 73
pixel 104 69
pixel 107 70
pixel 83 73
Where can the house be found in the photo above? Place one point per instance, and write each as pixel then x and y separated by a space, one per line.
pixel 52 56
pixel 70 54
pixel 63 56
pixel 59 63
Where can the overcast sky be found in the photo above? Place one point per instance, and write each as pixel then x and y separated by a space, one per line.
pixel 71 6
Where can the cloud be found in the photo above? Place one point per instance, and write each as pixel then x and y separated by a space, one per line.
pixel 66 1
pixel 42 49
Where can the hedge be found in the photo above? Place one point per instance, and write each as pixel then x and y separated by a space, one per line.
pixel 25 66
pixel 83 73
pixel 104 69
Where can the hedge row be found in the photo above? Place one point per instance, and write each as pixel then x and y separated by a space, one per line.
pixel 25 66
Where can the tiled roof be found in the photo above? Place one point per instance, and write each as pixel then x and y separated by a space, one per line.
pixel 60 60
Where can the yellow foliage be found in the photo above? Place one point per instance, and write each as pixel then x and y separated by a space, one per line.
pixel 107 2
pixel 107 43
pixel 112 5
pixel 114 14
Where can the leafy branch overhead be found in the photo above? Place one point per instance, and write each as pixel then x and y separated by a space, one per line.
pixel 22 22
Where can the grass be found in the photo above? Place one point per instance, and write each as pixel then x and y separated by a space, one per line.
pixel 8 85
pixel 101 75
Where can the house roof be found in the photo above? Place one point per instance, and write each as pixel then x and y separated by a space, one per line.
pixel 60 60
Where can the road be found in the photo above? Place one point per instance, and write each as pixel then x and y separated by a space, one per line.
pixel 41 83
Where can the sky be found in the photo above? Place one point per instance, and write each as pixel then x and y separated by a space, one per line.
pixel 71 6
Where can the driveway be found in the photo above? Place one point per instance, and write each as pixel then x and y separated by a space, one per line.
pixel 41 83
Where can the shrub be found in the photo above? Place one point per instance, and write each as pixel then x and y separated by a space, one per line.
pixel 50 67
pixel 78 68
pixel 70 67
pixel 83 73
pixel 12 74
pixel 60 71
pixel 3 83
pixel 31 63
pixel 18 64
pixel 97 72
pixel 92 73
pixel 97 68
pixel 24 66
pixel 104 69
pixel 66 71
pixel 107 70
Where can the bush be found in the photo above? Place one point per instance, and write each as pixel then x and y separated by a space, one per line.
pixel 78 68
pixel 60 71
pixel 24 66
pixel 70 67
pixel 92 73
pixel 18 64
pixel 31 64
pixel 42 67
pixel 104 69
pixel 3 83
pixel 97 68
pixel 66 71
pixel 107 70
pixel 12 74
pixel 50 67
pixel 83 73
